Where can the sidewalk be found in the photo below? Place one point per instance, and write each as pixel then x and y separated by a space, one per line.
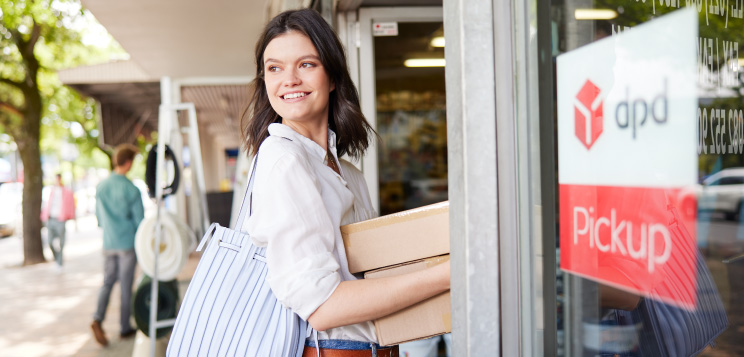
pixel 47 312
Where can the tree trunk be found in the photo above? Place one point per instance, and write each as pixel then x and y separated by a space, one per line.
pixel 110 155
pixel 28 148
pixel 26 134
pixel 33 251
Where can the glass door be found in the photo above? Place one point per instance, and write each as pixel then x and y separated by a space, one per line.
pixel 403 96
pixel 694 198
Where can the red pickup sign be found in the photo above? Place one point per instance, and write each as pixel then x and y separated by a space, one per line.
pixel 631 238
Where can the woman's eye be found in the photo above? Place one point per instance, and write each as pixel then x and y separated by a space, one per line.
pixel 307 65
pixel 272 69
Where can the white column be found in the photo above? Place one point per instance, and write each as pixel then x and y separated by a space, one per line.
pixel 471 139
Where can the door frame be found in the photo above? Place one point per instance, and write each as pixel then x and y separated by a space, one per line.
pixel 367 85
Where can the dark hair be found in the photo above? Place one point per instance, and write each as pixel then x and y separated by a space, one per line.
pixel 345 116
pixel 124 153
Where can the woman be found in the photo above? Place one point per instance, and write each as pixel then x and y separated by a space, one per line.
pixel 304 115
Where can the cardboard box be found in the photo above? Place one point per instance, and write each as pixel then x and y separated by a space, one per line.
pixel 397 238
pixel 428 318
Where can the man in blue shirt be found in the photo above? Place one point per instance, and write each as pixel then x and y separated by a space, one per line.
pixel 119 211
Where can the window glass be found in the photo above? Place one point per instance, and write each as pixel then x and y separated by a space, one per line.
pixel 731 180
pixel 648 103
pixel 411 112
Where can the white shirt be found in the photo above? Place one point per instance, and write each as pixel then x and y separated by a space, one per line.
pixel 299 203
pixel 55 211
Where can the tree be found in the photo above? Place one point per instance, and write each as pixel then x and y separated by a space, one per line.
pixel 37 37
pixel 70 121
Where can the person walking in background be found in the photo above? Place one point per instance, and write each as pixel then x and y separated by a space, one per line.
pixel 59 209
pixel 119 211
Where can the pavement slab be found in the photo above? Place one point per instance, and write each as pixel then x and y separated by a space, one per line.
pixel 46 311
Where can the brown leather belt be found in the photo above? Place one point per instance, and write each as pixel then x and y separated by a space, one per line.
pixel 328 352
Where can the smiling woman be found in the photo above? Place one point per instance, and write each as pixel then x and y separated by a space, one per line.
pixel 296 82
pixel 304 115
pixel 324 55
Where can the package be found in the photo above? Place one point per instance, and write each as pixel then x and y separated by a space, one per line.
pixel 397 238
pixel 428 318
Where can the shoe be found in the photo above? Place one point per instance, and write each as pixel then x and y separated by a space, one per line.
pixel 128 334
pixel 98 333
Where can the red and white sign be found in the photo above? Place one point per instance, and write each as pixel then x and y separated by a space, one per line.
pixel 588 114
pixel 385 29
pixel 626 149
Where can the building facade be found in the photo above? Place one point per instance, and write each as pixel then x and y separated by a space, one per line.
pixel 588 148
pixel 591 168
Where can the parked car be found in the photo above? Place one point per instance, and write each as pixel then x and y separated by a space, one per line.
pixel 11 195
pixel 723 192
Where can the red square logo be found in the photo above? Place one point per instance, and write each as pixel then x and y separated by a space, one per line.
pixel 588 114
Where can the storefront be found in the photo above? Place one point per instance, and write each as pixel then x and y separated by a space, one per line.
pixel 590 167
pixel 588 149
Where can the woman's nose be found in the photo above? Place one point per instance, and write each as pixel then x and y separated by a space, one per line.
pixel 292 78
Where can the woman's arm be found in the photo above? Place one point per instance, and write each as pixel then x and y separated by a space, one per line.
pixel 367 299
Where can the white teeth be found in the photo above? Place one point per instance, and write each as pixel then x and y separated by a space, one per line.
pixel 294 95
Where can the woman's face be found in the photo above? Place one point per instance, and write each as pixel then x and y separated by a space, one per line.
pixel 297 85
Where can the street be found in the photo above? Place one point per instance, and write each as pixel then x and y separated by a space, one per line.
pixel 47 312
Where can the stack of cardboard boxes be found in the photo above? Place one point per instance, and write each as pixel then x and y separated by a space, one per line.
pixel 397 244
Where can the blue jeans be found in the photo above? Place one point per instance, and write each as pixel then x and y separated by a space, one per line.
pixel 118 265
pixel 56 230
pixel 345 345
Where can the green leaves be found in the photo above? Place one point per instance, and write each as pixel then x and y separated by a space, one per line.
pixel 58 34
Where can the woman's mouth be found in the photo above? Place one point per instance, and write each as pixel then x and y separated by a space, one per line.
pixel 294 95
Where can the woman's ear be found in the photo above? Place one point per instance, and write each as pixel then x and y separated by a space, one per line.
pixel 333 86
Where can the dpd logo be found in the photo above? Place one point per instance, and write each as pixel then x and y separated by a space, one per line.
pixel 588 114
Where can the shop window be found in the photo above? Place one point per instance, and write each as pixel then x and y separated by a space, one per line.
pixel 640 101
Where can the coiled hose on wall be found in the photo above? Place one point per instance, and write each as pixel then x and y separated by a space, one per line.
pixel 176 243
pixel 150 171
pixel 168 300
